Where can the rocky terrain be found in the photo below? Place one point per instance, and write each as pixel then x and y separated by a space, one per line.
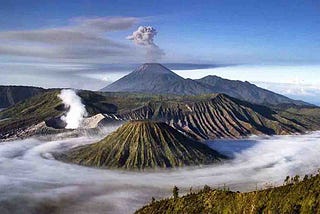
pixel 200 117
pixel 221 116
pixel 139 145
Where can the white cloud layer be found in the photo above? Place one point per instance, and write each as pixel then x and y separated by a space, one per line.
pixel 31 179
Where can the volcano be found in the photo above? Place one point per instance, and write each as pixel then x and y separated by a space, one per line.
pixel 141 145
pixel 154 78
pixel 157 79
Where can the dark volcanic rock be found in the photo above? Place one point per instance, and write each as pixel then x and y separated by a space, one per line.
pixel 154 78
pixel 56 123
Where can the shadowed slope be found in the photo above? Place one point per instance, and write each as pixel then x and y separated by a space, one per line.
pixel 219 117
pixel 247 91
pixel 143 144
pixel 10 95
pixel 154 78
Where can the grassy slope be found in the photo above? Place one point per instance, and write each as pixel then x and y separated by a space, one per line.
pixel 310 117
pixel 143 144
pixel 302 197
pixel 202 117
pixel 11 95
pixel 48 105
pixel 30 112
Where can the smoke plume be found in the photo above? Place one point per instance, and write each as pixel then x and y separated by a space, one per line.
pixel 77 110
pixel 144 36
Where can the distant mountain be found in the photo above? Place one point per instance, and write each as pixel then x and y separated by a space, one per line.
pixel 154 78
pixel 157 79
pixel 140 145
pixel 246 91
pixel 10 95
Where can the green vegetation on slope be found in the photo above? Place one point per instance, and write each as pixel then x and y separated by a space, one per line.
pixel 308 116
pixel 220 116
pixel 140 145
pixel 206 116
pixel 11 95
pixel 296 197
pixel 30 112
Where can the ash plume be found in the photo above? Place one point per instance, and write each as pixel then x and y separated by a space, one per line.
pixel 77 110
pixel 144 36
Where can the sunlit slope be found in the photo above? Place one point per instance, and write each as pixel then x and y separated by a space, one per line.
pixel 15 120
pixel 29 112
pixel 223 116
pixel 202 117
pixel 302 197
pixel 140 145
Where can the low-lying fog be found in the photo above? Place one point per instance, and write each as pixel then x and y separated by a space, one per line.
pixel 32 182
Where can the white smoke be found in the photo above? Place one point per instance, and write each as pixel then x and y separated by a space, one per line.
pixel 76 111
pixel 144 37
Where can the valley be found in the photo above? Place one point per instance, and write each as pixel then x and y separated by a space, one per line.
pixel 122 140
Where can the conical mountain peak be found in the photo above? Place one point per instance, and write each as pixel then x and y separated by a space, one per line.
pixel 143 144
pixel 153 68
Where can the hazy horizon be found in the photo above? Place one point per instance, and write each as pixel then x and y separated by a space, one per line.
pixel 82 44
pixel 288 80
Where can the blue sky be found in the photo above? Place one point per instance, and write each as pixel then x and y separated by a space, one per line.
pixel 210 31
pixel 67 43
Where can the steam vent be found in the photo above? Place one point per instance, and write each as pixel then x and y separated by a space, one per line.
pixel 139 145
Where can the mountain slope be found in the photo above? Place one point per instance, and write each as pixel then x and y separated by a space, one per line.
pixel 297 197
pixel 221 116
pixel 30 112
pixel 157 79
pixel 201 117
pixel 140 145
pixel 154 78
pixel 10 95
pixel 46 107
pixel 246 91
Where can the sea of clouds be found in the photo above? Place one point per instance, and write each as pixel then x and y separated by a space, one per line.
pixel 32 181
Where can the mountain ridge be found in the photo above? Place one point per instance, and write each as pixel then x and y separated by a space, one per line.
pixel 155 78
pixel 12 94
pixel 201 117
pixel 220 116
